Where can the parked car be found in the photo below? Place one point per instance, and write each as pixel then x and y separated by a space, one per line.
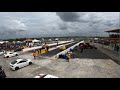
pixel 45 76
pixel 10 54
pixel 19 63
pixel 2 52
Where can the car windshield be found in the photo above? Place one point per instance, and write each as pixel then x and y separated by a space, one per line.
pixel 24 60
pixel 13 62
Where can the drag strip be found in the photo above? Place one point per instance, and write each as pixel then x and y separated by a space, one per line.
pixel 55 51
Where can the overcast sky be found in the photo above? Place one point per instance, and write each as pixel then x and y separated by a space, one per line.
pixel 40 24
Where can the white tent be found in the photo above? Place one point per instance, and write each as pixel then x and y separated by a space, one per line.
pixel 1 42
pixel 50 39
pixel 36 41
pixel 56 39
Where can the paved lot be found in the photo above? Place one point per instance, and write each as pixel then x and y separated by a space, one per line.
pixel 90 54
pixel 97 66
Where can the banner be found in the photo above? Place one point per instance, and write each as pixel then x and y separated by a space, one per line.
pixel 43 51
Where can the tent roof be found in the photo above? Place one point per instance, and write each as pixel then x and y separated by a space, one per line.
pixel 114 31
pixel 28 39
pixel 35 40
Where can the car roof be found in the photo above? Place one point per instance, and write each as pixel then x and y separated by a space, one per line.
pixel 39 75
pixel 46 76
pixel 9 52
pixel 20 60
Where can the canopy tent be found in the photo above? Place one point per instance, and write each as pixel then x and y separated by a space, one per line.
pixel 1 42
pixel 113 31
pixel 56 39
pixel 36 41
pixel 28 40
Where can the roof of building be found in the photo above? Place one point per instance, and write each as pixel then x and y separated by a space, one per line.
pixel 114 31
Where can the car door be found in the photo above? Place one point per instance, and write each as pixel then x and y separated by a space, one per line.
pixel 21 63
pixel 10 54
pixel 14 54
pixel 1 53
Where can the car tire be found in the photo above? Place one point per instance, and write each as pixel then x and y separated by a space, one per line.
pixel 16 54
pixel 16 68
pixel 30 63
pixel 7 56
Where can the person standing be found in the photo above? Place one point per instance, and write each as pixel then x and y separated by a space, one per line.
pixel 81 48
pixel 36 52
pixel 34 55
pixel 2 73
pixel 67 57
pixel 117 48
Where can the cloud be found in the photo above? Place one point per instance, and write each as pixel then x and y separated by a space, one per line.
pixel 15 24
pixel 68 16
pixel 40 24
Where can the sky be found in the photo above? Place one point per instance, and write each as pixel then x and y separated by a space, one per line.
pixel 56 24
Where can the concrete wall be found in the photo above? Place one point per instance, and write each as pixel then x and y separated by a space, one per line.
pixel 72 47
pixel 38 47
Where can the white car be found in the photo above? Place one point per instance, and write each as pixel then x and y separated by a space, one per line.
pixel 19 63
pixel 2 52
pixel 10 54
pixel 45 76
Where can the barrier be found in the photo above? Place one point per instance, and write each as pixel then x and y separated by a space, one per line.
pixel 67 50
pixel 38 47
pixel 43 51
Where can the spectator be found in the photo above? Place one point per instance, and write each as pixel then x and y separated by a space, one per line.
pixel 67 57
pixel 2 73
pixel 34 55
pixel 117 48
pixel 37 53
pixel 81 48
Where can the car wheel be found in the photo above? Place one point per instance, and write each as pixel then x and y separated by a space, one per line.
pixel 7 56
pixel 30 63
pixel 16 68
pixel 16 54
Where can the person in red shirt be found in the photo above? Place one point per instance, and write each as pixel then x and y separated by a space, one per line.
pixel 34 55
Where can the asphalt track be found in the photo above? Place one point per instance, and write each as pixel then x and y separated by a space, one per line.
pixel 56 51
pixel 89 53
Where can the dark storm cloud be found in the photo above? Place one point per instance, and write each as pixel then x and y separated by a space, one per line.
pixel 110 23
pixel 63 26
pixel 68 16
pixel 40 24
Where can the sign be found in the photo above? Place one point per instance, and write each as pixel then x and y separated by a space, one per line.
pixel 43 51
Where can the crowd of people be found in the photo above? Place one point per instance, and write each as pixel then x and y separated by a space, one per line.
pixel 11 46
pixel 114 35
pixel 114 44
